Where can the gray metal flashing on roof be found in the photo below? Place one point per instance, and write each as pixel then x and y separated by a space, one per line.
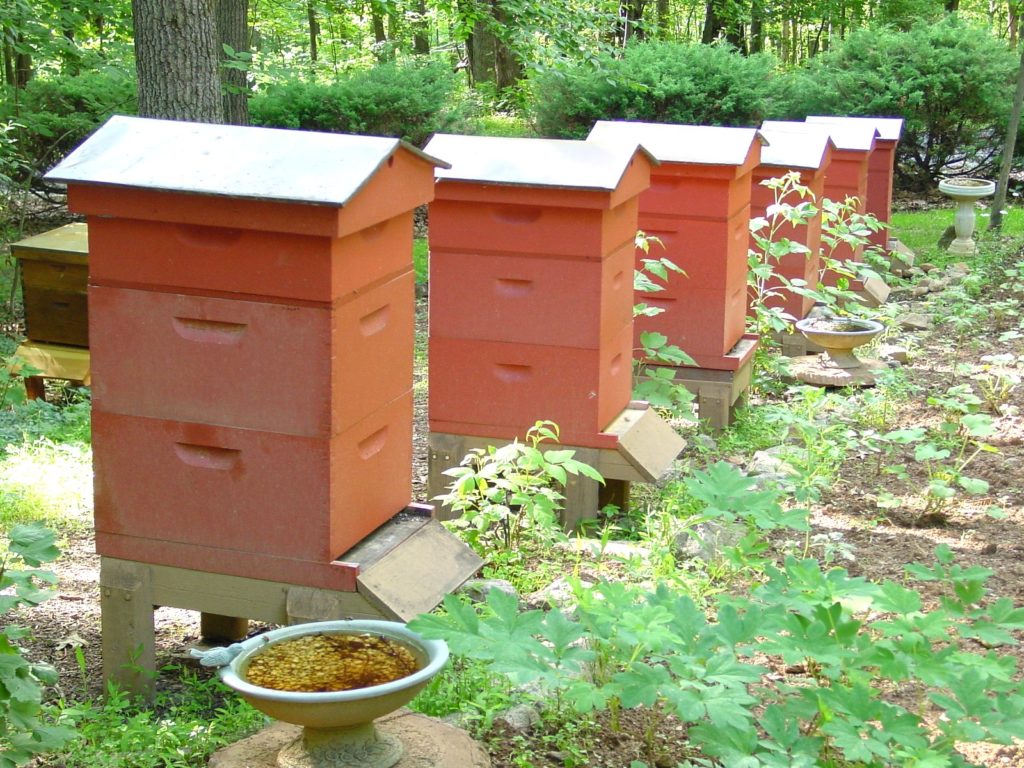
pixel 889 128
pixel 792 149
pixel 532 162
pixel 672 143
pixel 848 136
pixel 229 160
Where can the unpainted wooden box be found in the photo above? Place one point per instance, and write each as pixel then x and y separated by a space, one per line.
pixel 54 278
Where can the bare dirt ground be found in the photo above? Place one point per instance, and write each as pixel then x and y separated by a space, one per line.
pixel 883 541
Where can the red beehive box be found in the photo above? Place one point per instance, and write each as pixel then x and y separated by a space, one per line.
pixel 698 205
pixel 251 330
pixel 881 166
pixel 531 286
pixel 847 174
pixel 810 157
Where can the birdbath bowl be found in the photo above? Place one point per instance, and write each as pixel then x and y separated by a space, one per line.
pixel 965 192
pixel 338 729
pixel 839 336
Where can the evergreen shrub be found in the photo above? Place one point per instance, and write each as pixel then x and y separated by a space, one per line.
pixel 409 99
pixel 655 82
pixel 52 115
pixel 952 83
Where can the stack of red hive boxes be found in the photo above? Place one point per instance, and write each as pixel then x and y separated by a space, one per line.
pixel 847 177
pixel 252 341
pixel 531 291
pixel 810 157
pixel 698 206
pixel 881 166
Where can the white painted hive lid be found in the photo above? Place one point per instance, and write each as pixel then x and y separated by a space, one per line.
pixel 793 149
pixel 229 160
pixel 889 128
pixel 672 143
pixel 856 136
pixel 532 162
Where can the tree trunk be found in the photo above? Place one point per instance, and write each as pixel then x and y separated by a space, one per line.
pixel 508 69
pixel 712 24
pixel 996 220
pixel 756 26
pixel 663 14
pixel 631 13
pixel 8 50
pixel 233 31
pixel 176 59
pixel 952 6
pixel 380 36
pixel 420 29
pixel 70 60
pixel 314 29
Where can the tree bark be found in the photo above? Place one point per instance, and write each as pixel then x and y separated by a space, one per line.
pixel 631 13
pixel 176 59
pixel 996 220
pixel 663 14
pixel 420 28
pixel 756 44
pixel 380 35
pixel 712 24
pixel 314 29
pixel 233 31
pixel 8 51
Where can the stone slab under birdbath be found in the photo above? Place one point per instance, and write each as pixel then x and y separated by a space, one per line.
pixel 429 743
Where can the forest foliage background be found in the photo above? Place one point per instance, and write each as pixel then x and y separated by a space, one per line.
pixel 530 67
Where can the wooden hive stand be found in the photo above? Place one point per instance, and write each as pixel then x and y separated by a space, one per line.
pixel 217 488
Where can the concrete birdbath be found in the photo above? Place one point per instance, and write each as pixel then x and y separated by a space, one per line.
pixel 333 678
pixel 839 336
pixel 965 192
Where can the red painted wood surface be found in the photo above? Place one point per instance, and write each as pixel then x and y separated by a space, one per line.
pixel 881 167
pixel 253 371
pixel 701 214
pixel 478 384
pixel 252 491
pixel 233 260
pixel 794 266
pixel 525 299
pixel 312 371
pixel 531 304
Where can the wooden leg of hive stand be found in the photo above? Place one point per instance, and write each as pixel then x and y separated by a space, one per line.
pixel 35 387
pixel 222 629
pixel 126 608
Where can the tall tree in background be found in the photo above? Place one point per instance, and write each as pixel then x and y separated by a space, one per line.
pixel 233 34
pixel 996 220
pixel 177 60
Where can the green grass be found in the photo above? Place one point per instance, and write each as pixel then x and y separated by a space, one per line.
pixel 420 258
pixel 921 230
pixel 46 482
pixel 181 729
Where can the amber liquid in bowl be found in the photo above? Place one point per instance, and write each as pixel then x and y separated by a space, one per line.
pixel 330 662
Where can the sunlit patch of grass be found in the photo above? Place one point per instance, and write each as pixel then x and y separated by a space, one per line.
pixel 47 482
pixel 920 231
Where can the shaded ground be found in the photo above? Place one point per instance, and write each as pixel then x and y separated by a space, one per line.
pixel 882 541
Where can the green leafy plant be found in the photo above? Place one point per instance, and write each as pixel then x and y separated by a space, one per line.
pixel 25 730
pixel 947 451
pixel 792 206
pixel 654 363
pixel 187 722
pixel 507 494
pixel 845 642
pixel 656 82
